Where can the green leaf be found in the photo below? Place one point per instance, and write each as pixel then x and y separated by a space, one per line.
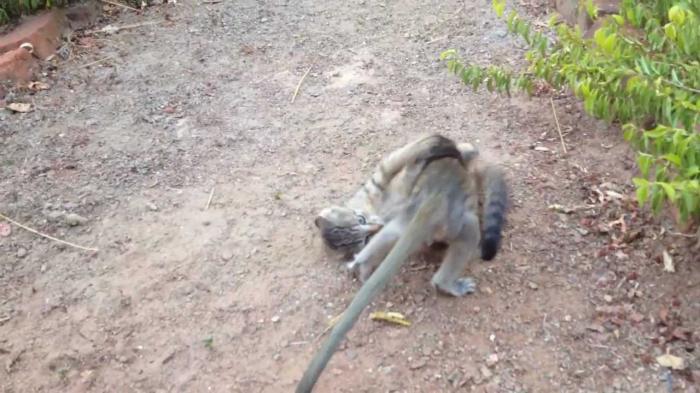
pixel 672 158
pixel 689 201
pixel 499 7
pixel 642 190
pixel 670 31
pixel 657 199
pixel 676 15
pixel 692 171
pixel 448 54
pixel 609 43
pixel 644 162
pixel 669 190
pixel 591 9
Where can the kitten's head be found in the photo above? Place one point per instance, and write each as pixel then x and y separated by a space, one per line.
pixel 346 230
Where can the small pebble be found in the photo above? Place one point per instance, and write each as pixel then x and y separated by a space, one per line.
pixel 608 298
pixel 21 252
pixel 73 219
pixel 533 286
pixel 420 363
pixel 491 360
pixel 567 318
pixel 275 319
pixel 485 372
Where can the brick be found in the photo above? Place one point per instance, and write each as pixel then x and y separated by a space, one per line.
pixel 17 65
pixel 43 31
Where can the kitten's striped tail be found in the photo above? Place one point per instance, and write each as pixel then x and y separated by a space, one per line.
pixel 495 205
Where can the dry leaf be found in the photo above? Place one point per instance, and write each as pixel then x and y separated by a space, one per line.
pixel 19 107
pixel 636 317
pixel 663 316
pixel 668 263
pixel 615 195
pixel 36 86
pixel 5 229
pixel 680 334
pixel 671 361
pixel 392 317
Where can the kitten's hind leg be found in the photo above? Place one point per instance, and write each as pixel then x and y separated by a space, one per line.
pixel 461 251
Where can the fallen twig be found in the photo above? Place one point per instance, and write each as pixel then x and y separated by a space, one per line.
pixel 95 62
pixel 120 5
pixel 211 195
pixel 109 29
pixel 296 91
pixel 434 40
pixel 609 349
pixel 556 120
pixel 331 323
pixel 680 234
pixel 34 231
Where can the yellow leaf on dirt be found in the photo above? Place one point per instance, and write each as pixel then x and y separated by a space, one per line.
pixel 391 317
pixel 19 107
pixel 671 361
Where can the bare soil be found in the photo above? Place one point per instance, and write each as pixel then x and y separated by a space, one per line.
pixel 198 180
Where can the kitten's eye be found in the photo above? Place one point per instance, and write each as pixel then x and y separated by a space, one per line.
pixel 362 220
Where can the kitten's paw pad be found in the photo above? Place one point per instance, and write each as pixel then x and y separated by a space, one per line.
pixel 352 267
pixel 465 286
pixel 458 288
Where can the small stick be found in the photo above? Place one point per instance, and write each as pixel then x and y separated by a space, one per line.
pixel 434 40
pixel 556 120
pixel 211 195
pixel 296 91
pixel 109 29
pixel 685 235
pixel 331 323
pixel 95 62
pixel 34 231
pixel 120 5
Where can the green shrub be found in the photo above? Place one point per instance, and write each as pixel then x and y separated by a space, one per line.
pixel 641 69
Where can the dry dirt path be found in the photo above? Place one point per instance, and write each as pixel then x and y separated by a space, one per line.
pixel 232 297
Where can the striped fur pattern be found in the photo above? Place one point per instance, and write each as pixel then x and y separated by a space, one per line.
pixel 348 228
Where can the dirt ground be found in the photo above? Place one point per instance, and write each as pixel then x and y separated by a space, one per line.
pixel 179 155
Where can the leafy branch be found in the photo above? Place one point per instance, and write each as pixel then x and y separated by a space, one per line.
pixel 643 63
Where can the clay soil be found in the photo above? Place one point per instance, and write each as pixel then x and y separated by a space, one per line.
pixel 179 155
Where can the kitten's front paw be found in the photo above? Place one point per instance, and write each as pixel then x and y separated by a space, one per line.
pixel 353 267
